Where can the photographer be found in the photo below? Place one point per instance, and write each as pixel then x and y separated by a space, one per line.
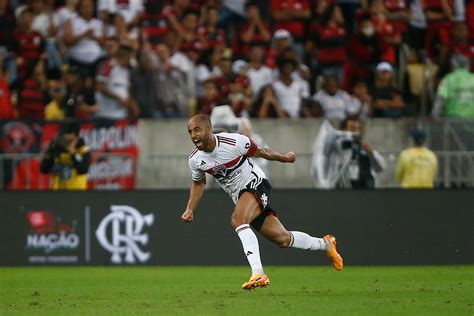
pixel 341 160
pixel 67 158
pixel 364 161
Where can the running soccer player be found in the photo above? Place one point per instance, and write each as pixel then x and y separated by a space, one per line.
pixel 226 156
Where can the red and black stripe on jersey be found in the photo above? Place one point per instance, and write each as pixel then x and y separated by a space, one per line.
pixel 227 140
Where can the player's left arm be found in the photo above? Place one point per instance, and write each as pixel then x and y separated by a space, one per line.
pixel 251 149
pixel 268 154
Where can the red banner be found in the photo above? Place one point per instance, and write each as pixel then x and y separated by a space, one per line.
pixel 114 148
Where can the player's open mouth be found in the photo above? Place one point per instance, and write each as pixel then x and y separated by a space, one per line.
pixel 197 142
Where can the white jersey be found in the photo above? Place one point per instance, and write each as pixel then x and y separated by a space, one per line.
pixel 229 163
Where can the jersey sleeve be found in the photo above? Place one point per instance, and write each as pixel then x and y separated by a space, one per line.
pixel 246 146
pixel 196 173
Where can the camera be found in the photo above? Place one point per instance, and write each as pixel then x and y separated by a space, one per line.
pixel 57 146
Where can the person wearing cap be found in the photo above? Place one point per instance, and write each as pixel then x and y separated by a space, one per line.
pixel 388 100
pixel 455 94
pixel 281 40
pixel 67 159
pixel 417 167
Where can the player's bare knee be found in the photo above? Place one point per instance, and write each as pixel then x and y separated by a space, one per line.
pixel 236 221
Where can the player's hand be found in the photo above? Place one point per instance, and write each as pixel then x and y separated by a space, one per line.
pixel 289 157
pixel 187 216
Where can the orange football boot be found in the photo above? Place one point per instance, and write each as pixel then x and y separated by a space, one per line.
pixel 332 253
pixel 256 280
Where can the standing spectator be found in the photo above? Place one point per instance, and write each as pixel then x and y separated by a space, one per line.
pixel 417 27
pixel 388 101
pixel 7 25
pixel 29 45
pixel 209 33
pixel 187 34
pixel 398 13
pixel 439 16
pixel 113 87
pixel 32 94
pixel 129 12
pixel 231 14
pixel 417 167
pixel 255 31
pixel 330 42
pixel 364 53
pixel 169 85
pixel 389 36
pixel 84 34
pixel 455 95
pixel 335 103
pixel 266 104
pixel 259 74
pixel 292 15
pixel 78 101
pixel 64 14
pixel 290 93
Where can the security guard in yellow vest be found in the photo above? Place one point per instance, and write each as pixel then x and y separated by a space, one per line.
pixel 67 159
pixel 417 167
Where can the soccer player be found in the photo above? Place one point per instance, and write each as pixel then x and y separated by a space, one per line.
pixel 226 156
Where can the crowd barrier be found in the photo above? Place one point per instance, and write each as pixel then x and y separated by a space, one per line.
pixel 385 227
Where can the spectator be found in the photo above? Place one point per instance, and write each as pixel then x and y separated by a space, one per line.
pixel 364 53
pixel 64 14
pixel 169 85
pixel 78 101
pixel 266 104
pixel 330 42
pixel 398 14
pixel 113 90
pixel 209 33
pixel 7 25
pixel 29 45
pixel 231 14
pixel 417 167
pixel 259 74
pixel 290 92
pixel 457 43
pixel 67 159
pixel 84 34
pixel 335 103
pixel 292 16
pixel 455 95
pixel 282 39
pixel 255 31
pixel 439 16
pixel 388 101
pixel 417 27
pixel 7 110
pixel 233 85
pixel 210 99
pixel 187 33
pixel 389 36
pixel 128 11
pixel 362 100
pixel 32 94
pixel 53 110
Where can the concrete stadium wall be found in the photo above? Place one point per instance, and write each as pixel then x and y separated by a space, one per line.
pixel 385 227
pixel 165 146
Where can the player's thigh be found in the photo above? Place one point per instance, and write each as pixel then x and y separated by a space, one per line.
pixel 246 209
pixel 274 230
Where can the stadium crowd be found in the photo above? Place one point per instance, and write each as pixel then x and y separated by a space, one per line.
pixel 119 59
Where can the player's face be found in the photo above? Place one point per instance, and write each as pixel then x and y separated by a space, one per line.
pixel 199 133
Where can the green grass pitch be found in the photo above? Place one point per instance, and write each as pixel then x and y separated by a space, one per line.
pixel 445 290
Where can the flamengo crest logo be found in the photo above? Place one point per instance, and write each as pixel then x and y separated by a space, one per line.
pixel 125 224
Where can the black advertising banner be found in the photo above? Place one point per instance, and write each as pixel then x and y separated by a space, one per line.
pixel 114 147
pixel 382 227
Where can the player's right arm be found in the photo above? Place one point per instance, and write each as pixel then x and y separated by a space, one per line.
pixel 195 194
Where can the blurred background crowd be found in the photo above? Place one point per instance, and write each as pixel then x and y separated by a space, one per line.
pixel 130 59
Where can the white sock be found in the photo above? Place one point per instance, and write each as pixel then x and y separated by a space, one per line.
pixel 251 249
pixel 304 241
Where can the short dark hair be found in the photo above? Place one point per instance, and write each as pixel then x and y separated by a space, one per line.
pixel 70 127
pixel 250 3
pixel 203 118
pixel 418 136
pixel 345 122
